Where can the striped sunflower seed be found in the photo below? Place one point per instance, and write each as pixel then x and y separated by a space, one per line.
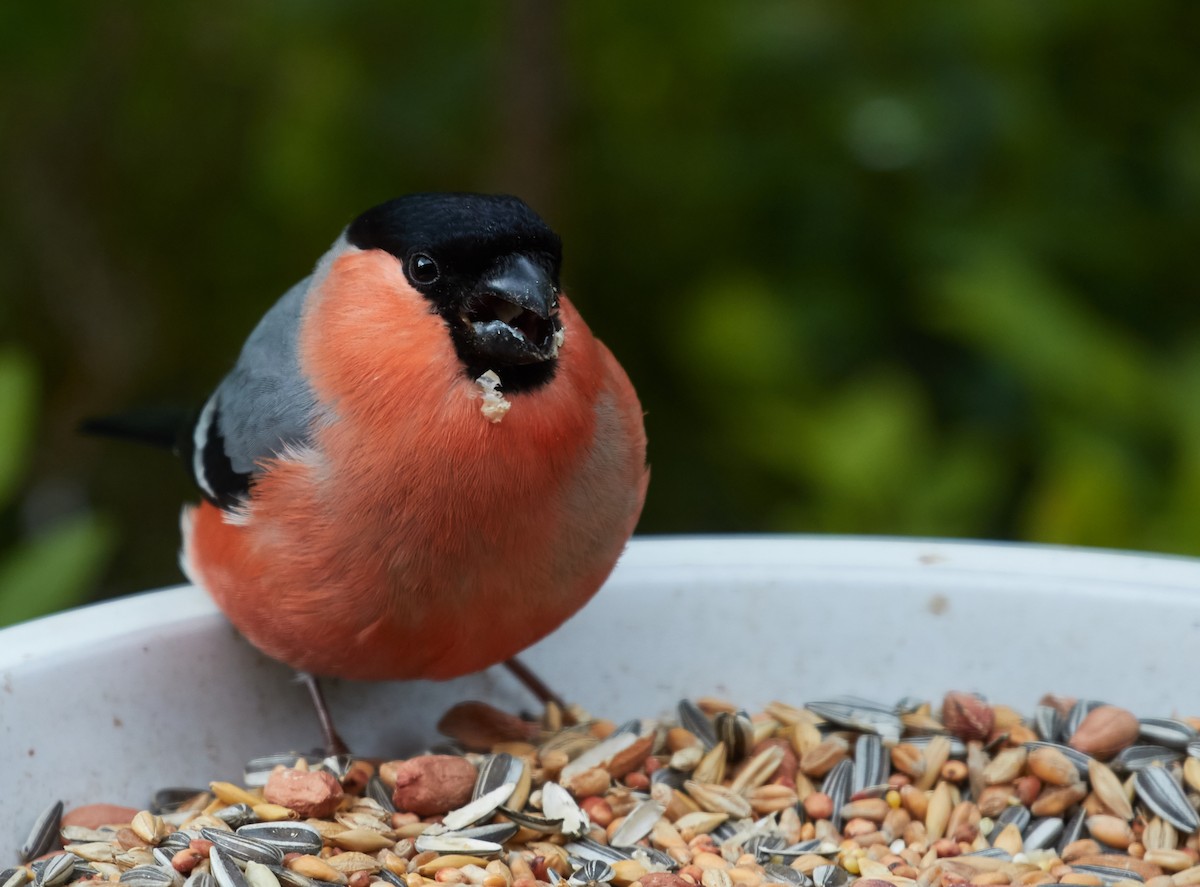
pixel 1161 793
pixel 243 846
pixel 225 870
pixel 44 833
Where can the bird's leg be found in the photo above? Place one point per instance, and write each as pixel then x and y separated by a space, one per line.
pixel 333 743
pixel 534 684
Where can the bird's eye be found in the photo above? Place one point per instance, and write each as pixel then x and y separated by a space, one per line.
pixel 423 269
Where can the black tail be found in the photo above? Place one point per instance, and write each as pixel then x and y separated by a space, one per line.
pixel 164 427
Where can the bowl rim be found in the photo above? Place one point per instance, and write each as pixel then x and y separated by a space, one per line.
pixel 671 559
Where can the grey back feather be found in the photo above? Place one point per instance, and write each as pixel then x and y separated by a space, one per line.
pixel 265 403
pixel 260 409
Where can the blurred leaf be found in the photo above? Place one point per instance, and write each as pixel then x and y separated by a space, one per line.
pixel 55 570
pixel 738 335
pixel 18 390
pixel 1087 493
pixel 1004 305
pixel 960 477
pixel 863 444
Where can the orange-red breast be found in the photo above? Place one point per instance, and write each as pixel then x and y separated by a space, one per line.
pixel 423 460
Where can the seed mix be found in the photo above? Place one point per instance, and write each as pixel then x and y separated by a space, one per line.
pixel 832 793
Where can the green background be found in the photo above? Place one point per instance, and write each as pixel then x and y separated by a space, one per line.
pixel 923 268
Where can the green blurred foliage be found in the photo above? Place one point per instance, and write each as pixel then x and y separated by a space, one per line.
pixel 57 566
pixel 921 268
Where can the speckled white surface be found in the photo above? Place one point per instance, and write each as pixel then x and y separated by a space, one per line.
pixel 112 701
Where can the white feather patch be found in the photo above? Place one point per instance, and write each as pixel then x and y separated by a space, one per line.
pixel 186 517
pixel 199 441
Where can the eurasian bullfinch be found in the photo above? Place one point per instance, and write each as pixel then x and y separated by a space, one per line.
pixel 423 461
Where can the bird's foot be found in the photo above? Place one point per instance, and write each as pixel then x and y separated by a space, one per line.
pixel 539 689
pixel 333 742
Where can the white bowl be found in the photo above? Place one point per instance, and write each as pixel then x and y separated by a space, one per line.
pixel 112 701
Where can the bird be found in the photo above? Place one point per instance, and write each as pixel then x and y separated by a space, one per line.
pixel 422 461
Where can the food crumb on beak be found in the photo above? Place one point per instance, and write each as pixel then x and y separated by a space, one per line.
pixel 494 405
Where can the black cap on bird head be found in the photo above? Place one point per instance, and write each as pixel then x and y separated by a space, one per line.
pixel 489 266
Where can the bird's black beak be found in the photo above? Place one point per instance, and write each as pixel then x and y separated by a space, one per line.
pixel 512 317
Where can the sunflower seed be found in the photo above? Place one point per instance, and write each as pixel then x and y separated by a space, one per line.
pixel 161 856
pixel 1193 748
pixel 495 832
pixel 494 771
pixel 456 844
pixel 871 765
pixel 785 874
pixel 153 876
pixel 1042 833
pixel 150 876
pixel 244 846
pixel 725 832
pixel 763 846
pixel 637 824
pixel 1108 874
pixel 657 859
pixel 958 748
pixel 1015 815
pixel 635 726
pixel 294 879
pixel 1078 758
pixel 225 870
pixel 1162 794
pixel 1139 757
pixel 236 815
pixel 669 776
pixel 831 876
pixel 592 871
pixel 480 808
pixel 991 853
pixel 337 765
pixel 694 720
pixel 200 879
pixel 557 803
pixel 736 731
pixel 286 837
pixel 170 800
pixel 44 833
pixel 1072 830
pixel 860 714
pixel 1048 722
pixel 392 878
pixel 788 855
pixel 837 786
pixel 532 821
pixel 380 794
pixel 14 877
pixel 175 842
pixel 1166 731
pixel 57 869
pixel 586 848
